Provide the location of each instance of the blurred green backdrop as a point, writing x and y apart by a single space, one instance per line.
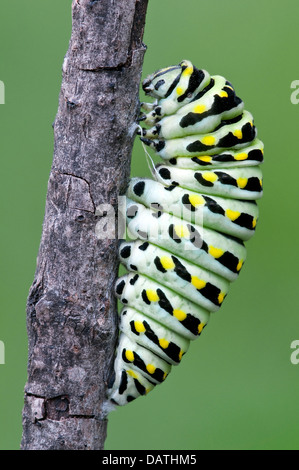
236 388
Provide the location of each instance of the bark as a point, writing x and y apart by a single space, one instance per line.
71 309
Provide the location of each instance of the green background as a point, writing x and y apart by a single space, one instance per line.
236 388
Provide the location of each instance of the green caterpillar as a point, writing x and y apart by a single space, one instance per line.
189 223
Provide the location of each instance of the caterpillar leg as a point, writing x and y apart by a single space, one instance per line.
148 106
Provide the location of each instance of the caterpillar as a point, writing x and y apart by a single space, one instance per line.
188 224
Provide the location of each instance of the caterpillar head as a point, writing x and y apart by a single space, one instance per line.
161 83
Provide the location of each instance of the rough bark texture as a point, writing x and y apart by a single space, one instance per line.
71 310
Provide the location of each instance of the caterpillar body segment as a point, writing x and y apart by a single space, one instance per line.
231 216
200 116
204 247
154 336
251 155
235 183
235 135
162 304
201 286
188 225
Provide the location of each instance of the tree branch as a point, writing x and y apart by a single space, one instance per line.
71 310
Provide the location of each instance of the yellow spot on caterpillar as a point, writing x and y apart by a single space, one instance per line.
215 252
262 150
223 94
147 390
196 200
200 327
139 327
179 90
200 108
132 374
167 262
232 215
210 176
241 156
129 355
152 295
241 182
198 283
179 314
208 140
163 343
150 368
164 376
181 354
239 265
221 297
254 223
251 123
261 183
188 71
181 231
205 158
238 133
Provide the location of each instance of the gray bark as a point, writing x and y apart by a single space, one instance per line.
71 309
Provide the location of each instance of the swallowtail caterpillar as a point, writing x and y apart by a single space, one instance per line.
189 222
